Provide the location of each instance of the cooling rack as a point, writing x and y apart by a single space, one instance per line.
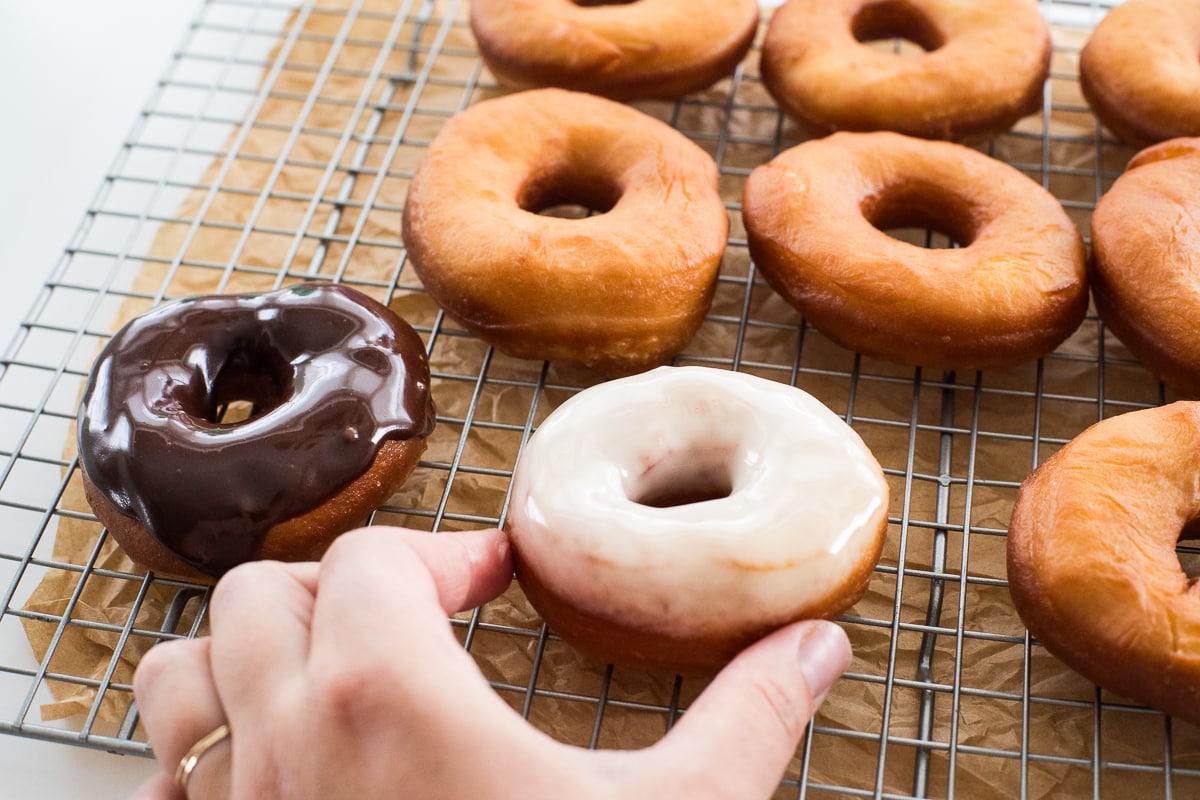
277 148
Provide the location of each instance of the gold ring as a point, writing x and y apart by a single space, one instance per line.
183 772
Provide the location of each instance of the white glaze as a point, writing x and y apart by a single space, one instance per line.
806 505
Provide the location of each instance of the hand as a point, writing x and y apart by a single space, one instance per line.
344 680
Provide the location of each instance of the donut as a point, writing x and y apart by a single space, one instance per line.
1139 72
815 219
666 520
1145 243
626 51
618 291
339 406
984 68
1092 566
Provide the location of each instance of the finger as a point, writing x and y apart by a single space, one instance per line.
179 705
260 617
746 725
263 607
468 567
407 580
160 787
176 697
383 595
303 572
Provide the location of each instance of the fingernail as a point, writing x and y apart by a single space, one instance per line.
824 655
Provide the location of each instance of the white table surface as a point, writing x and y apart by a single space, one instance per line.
73 76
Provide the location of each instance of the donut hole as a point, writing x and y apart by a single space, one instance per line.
922 237
236 411
568 192
684 478
1189 561
922 214
898 22
1188 550
253 380
567 211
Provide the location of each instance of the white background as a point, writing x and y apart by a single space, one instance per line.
73 76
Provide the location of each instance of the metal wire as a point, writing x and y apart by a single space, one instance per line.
959 700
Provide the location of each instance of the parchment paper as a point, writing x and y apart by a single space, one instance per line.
869 725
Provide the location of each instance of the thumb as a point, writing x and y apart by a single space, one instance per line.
744 729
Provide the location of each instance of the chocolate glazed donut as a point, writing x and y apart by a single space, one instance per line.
339 393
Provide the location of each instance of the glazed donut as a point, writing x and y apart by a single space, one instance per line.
1144 246
626 51
815 219
339 389
619 291
1091 556
669 519
1139 71
984 69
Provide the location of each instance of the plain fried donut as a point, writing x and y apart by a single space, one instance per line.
1092 565
1139 71
620 290
1145 246
338 389
816 215
669 519
984 67
626 51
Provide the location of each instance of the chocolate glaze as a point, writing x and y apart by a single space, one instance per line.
330 375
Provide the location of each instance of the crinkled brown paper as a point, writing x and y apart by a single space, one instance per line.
986 715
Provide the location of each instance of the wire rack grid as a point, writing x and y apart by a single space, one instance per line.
277 148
